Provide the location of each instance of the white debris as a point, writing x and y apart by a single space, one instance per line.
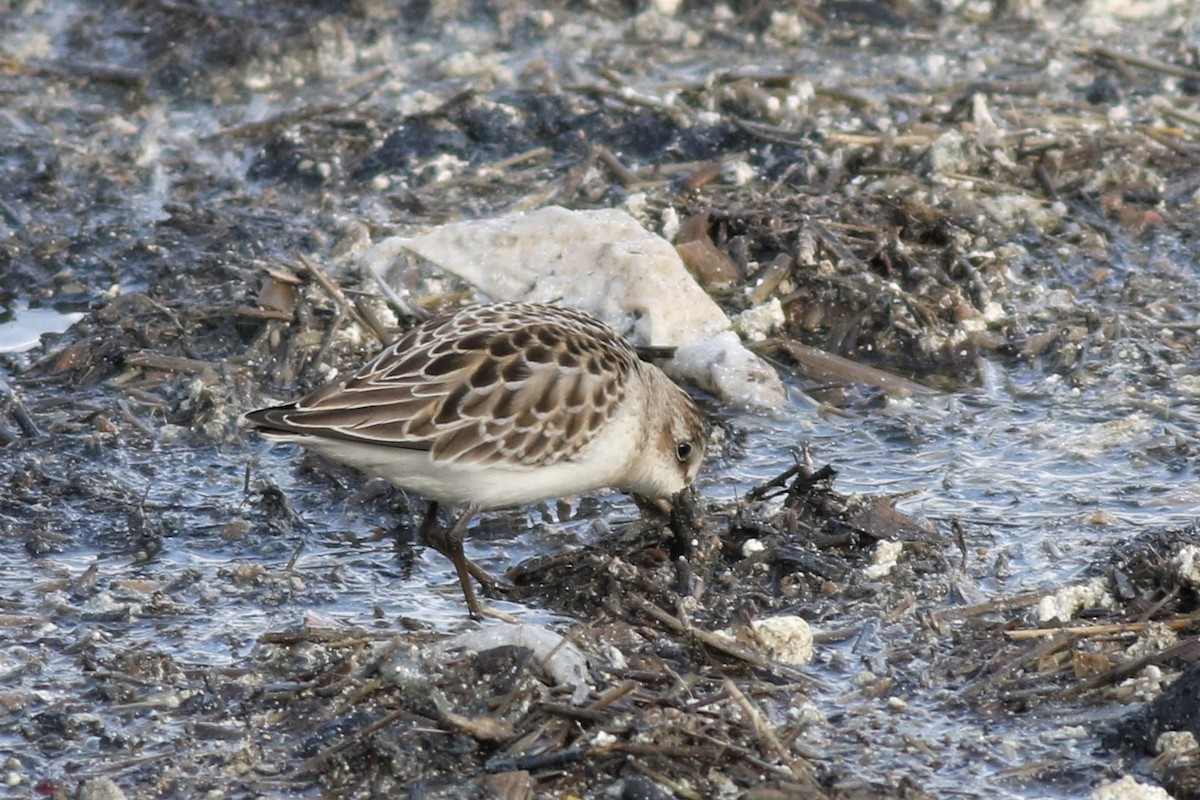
805 712
787 639
636 205
994 312
670 224
947 153
99 788
1187 565
1145 685
758 322
1179 744
738 173
884 559
752 547
986 130
786 28
561 660
1066 602
1109 17
603 262
1129 789
724 367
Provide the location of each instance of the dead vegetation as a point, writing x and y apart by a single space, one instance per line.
909 221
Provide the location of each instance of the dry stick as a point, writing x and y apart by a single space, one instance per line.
871 140
152 360
263 313
676 788
772 134
1177 624
752 758
291 564
520 158
822 366
613 695
1169 597
332 289
623 174
1175 147
360 736
333 637
651 749
762 727
778 482
1165 108
623 96
283 119
331 334
1081 631
577 712
722 645
1186 648
134 420
367 315
96 71
1009 665
574 178
987 184
999 604
1108 53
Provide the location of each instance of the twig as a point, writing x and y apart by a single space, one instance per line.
24 420
999 604
367 315
677 788
722 645
1161 138
613 695
151 360
822 366
263 128
772 134
762 727
1102 54
1186 649
359 736
1009 665
575 712
520 158
624 175
1177 624
253 312
335 293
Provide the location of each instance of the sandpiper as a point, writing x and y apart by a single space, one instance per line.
501 404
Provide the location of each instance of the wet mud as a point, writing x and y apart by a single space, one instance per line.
972 231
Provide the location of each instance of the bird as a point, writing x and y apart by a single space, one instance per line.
495 405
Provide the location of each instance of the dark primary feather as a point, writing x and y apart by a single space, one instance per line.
513 382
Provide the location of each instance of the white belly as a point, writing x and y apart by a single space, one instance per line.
603 463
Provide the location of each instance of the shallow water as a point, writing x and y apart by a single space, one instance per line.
22 327
1028 477
1044 474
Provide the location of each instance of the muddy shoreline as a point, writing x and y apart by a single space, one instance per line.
995 207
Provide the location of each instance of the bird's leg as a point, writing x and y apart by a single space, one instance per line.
429 534
450 544
453 540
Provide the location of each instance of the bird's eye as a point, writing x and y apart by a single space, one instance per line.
683 450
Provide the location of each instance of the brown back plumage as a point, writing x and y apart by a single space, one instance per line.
512 382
